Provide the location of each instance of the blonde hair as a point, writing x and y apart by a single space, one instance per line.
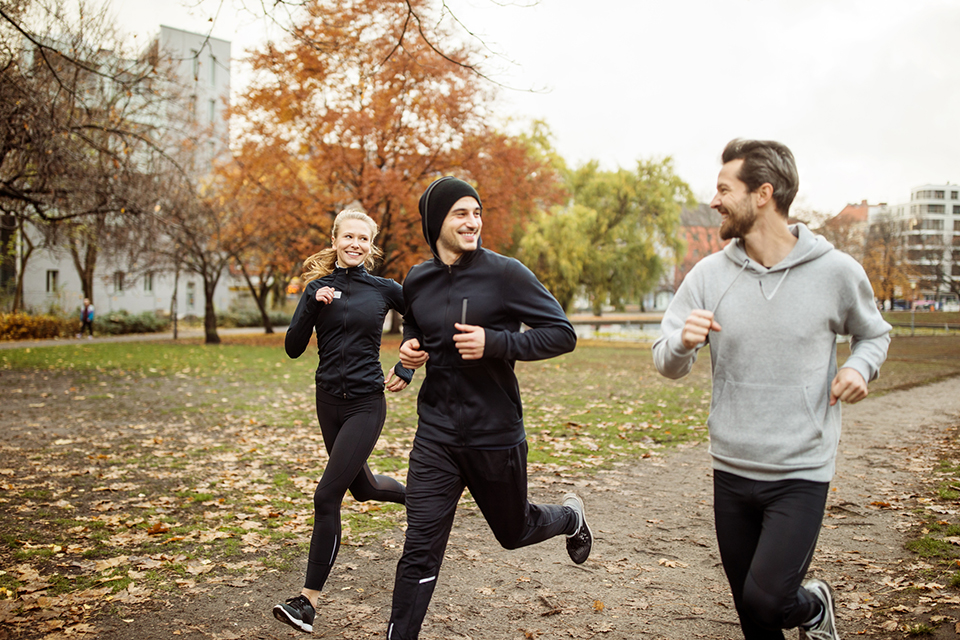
323 262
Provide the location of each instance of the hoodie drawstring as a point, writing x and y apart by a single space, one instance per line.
716 306
776 288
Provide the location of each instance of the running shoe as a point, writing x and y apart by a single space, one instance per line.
296 612
579 543
826 628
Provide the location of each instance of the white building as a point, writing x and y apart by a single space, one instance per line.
930 226
51 283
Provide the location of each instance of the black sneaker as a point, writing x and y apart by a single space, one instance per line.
826 628
296 612
579 543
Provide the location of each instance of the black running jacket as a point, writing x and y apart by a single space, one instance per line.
348 330
476 403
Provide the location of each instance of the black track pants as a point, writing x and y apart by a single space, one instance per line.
767 532
350 430
437 476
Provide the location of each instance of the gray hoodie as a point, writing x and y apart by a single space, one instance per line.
775 356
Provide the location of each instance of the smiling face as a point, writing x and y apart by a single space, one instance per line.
460 232
353 243
734 202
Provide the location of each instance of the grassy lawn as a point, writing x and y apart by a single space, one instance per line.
132 467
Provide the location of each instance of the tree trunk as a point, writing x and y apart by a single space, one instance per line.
25 251
259 297
209 315
85 267
395 322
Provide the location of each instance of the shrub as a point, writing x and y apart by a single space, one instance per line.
23 326
121 322
251 318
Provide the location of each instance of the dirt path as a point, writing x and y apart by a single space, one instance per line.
654 572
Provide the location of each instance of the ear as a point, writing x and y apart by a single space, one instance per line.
764 194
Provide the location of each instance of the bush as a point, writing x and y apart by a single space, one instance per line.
121 322
251 318
23 326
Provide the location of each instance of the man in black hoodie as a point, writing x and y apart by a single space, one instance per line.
464 312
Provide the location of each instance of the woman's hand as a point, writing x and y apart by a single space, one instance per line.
395 383
325 294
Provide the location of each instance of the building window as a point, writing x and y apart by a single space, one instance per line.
213 70
213 111
953 195
118 281
956 209
936 208
932 225
148 282
938 195
191 295
52 276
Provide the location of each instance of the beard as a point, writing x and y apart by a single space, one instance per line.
739 221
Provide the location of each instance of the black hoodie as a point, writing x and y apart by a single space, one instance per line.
476 403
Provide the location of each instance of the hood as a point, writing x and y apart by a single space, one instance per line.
435 204
809 247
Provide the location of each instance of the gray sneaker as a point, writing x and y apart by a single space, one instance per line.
826 629
580 542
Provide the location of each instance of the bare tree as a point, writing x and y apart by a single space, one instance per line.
77 115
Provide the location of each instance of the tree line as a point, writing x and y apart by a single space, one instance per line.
361 104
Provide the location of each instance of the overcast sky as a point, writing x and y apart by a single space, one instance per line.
865 92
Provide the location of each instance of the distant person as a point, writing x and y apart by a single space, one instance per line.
86 318
771 305
464 311
346 306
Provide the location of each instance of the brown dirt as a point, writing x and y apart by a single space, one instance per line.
654 572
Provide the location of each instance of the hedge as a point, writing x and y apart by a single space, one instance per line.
22 326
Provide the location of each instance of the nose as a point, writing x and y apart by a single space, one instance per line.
715 203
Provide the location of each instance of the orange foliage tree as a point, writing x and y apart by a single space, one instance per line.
360 109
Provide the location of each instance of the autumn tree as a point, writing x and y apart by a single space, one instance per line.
885 262
359 108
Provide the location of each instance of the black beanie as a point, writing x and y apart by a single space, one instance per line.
436 202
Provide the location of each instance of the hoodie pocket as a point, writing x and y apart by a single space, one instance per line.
770 426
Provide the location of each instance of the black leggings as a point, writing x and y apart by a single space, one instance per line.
350 431
767 532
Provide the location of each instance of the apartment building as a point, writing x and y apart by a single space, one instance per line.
930 230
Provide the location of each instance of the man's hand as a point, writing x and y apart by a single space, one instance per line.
325 295
848 386
394 382
470 341
411 355
697 327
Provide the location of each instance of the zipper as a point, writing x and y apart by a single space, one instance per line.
458 374
344 297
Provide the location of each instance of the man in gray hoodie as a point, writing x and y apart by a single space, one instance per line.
771 305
